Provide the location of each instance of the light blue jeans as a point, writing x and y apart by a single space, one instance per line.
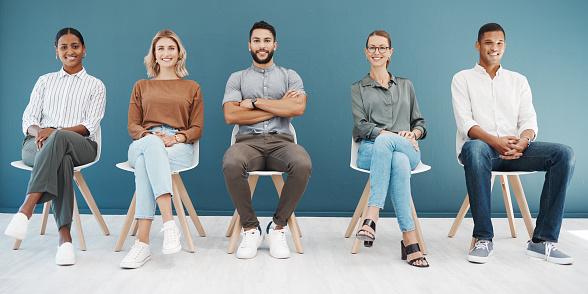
390 159
154 163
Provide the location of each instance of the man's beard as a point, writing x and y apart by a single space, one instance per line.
270 54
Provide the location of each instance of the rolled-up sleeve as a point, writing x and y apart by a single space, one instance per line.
416 118
462 107
96 107
33 112
295 82
527 119
233 89
362 128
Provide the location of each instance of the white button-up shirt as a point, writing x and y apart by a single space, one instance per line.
501 106
61 100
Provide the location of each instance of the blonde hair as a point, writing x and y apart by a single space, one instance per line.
153 67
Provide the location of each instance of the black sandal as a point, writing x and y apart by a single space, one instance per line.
410 249
367 240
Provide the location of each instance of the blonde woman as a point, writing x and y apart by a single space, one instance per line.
165 117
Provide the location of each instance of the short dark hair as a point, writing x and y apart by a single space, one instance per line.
66 31
489 27
263 25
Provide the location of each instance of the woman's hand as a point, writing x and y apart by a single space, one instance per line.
168 141
42 135
410 137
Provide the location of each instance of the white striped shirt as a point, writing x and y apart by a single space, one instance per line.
61 100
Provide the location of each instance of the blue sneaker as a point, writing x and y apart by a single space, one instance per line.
481 251
548 251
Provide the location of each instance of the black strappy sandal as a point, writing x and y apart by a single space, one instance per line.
410 249
367 240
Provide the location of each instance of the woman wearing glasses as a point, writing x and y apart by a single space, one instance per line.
165 116
60 123
388 123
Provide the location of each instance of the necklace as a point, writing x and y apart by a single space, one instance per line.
379 81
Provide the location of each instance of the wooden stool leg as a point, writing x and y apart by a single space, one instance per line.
78 225
177 180
462 212
362 201
46 208
357 242
522 201
235 235
232 224
508 205
134 227
126 225
417 228
16 244
473 243
81 182
295 220
183 221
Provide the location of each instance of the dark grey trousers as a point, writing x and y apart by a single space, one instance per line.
259 152
53 169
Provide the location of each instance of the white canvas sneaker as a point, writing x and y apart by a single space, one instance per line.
138 256
17 228
276 240
65 254
251 241
171 238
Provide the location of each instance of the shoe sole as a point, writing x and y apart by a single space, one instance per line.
14 234
66 261
255 254
480 259
173 250
134 264
537 255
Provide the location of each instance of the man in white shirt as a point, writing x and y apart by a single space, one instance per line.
496 129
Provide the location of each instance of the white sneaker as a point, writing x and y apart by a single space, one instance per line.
251 241
65 254
276 240
171 238
17 228
138 256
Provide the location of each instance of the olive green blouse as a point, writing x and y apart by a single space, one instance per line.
376 108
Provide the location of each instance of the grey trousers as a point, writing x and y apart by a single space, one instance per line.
258 152
53 171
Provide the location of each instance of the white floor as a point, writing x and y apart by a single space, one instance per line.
327 266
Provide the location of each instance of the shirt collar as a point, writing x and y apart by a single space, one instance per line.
257 69
80 74
368 81
482 70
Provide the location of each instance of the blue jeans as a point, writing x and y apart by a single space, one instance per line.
154 163
390 159
556 160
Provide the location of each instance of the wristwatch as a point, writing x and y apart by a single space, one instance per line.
415 136
253 100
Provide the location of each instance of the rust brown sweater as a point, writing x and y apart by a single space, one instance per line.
177 103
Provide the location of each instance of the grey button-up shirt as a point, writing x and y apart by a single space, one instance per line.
376 108
271 83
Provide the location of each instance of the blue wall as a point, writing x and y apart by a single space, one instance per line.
323 41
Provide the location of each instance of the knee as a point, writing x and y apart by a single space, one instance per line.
565 154
233 162
475 153
384 140
301 164
151 140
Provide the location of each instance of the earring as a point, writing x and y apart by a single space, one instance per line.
84 56
57 57
388 58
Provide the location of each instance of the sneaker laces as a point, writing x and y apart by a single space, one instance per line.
482 244
169 235
279 238
248 237
549 247
135 251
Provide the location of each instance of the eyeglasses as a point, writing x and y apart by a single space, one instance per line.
382 50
